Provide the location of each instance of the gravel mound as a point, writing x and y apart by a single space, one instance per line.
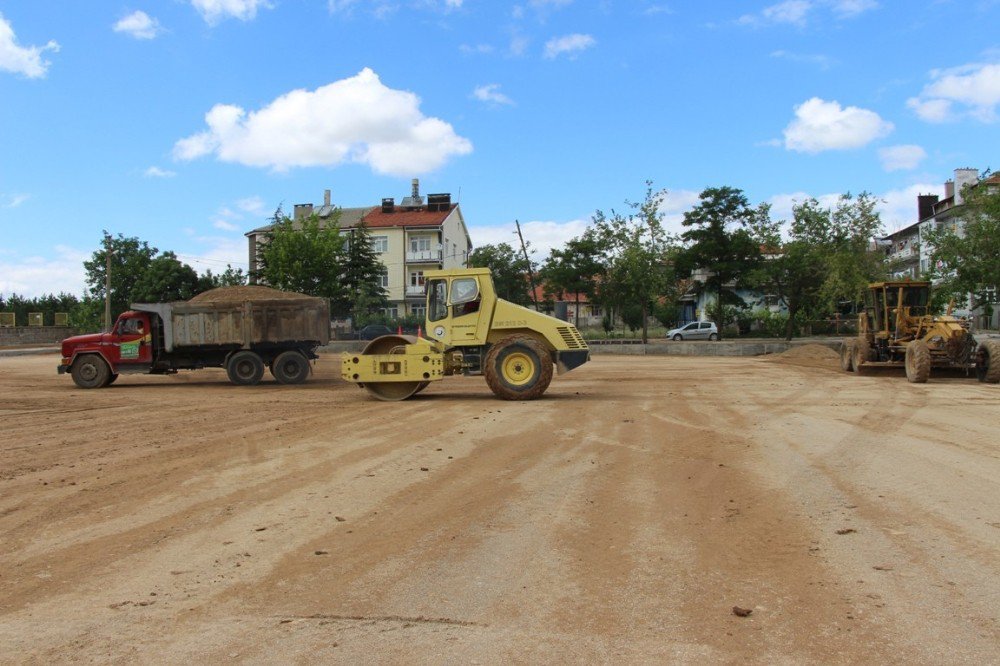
251 292
811 355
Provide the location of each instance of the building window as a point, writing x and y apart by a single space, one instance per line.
384 278
416 278
380 244
420 244
418 310
392 312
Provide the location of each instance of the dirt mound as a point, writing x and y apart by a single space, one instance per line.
251 292
811 355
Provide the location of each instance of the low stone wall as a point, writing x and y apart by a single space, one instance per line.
34 335
755 347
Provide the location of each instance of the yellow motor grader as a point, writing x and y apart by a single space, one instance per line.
469 331
896 329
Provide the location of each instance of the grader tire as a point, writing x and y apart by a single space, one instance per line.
860 354
518 368
918 362
847 355
988 362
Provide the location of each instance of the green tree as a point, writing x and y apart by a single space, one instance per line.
166 279
639 260
363 270
509 269
130 258
231 277
719 241
304 257
575 269
848 232
969 262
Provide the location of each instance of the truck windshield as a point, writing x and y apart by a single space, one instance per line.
437 300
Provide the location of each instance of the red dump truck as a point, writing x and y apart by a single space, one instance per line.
242 337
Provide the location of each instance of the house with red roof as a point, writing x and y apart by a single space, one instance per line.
413 236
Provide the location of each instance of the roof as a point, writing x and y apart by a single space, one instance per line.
561 297
349 217
402 217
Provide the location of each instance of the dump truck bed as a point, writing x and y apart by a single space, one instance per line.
246 324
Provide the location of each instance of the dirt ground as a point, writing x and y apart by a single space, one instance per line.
620 519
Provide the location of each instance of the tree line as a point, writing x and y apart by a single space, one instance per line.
818 264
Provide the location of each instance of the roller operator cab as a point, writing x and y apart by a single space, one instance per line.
469 331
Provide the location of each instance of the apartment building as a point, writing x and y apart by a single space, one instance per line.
416 235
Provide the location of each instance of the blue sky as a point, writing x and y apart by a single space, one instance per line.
187 122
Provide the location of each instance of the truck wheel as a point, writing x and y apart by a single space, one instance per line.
245 368
847 355
860 355
112 379
918 362
518 368
290 367
988 362
90 371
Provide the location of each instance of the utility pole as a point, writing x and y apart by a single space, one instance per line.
107 283
531 276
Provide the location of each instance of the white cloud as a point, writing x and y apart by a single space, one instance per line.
36 276
821 61
491 94
138 25
477 49
793 12
569 45
252 205
976 87
214 11
543 235
355 120
518 45
898 208
821 125
13 200
906 157
157 172
225 226
852 8
26 60
798 12
673 207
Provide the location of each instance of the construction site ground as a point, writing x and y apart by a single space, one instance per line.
648 509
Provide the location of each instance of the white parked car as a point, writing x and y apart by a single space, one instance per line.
696 330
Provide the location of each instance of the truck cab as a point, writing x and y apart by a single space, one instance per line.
127 347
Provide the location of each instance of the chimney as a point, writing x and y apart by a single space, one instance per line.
388 205
964 178
414 200
302 211
925 206
326 198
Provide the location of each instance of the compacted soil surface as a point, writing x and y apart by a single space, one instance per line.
645 510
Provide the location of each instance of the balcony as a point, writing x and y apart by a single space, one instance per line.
414 292
424 256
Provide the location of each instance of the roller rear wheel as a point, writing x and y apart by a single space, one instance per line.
518 368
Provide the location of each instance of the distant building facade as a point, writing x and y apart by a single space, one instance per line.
414 236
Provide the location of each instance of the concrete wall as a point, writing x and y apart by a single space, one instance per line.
34 335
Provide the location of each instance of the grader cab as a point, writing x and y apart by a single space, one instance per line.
896 329
469 331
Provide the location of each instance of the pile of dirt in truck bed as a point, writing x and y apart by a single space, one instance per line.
811 355
251 292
